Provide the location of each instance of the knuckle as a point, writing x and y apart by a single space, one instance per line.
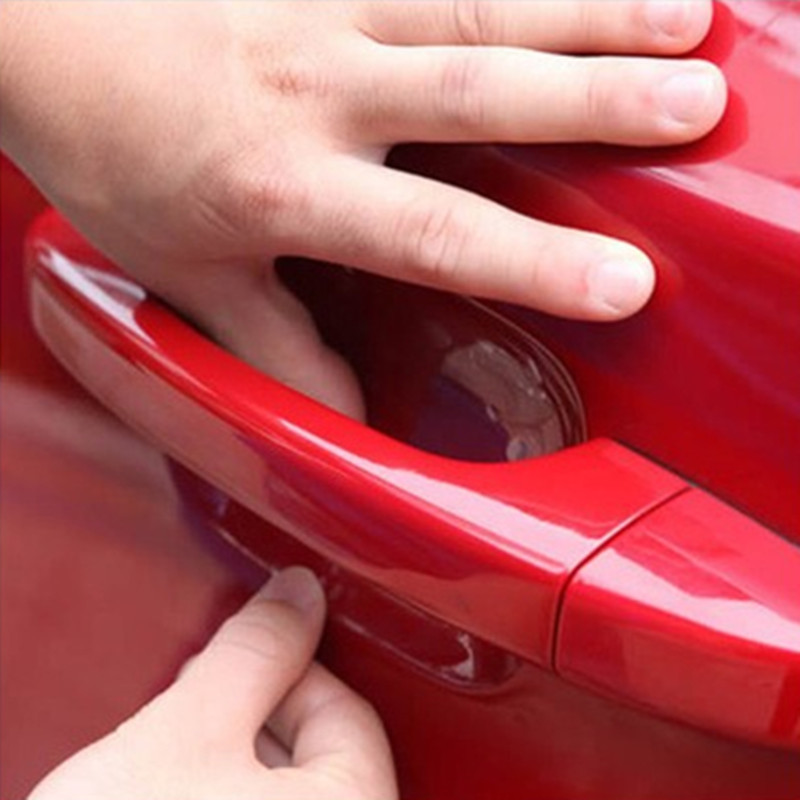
596 103
297 77
270 636
434 240
474 21
267 192
245 197
288 72
463 84
588 22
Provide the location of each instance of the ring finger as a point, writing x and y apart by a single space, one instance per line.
585 26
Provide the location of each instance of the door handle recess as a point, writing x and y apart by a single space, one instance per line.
591 560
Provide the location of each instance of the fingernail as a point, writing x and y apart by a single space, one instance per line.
619 286
686 96
668 17
297 587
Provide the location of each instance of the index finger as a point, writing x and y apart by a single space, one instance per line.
416 229
256 657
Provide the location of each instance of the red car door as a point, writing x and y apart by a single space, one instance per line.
563 560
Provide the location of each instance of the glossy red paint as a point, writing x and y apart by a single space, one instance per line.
104 589
487 547
468 719
698 382
702 380
695 612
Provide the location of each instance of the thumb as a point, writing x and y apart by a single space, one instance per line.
255 658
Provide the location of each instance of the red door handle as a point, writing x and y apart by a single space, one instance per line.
514 553
693 612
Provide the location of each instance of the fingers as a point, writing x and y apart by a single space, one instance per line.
204 737
270 752
623 26
332 730
253 660
273 331
258 667
414 229
513 95
250 313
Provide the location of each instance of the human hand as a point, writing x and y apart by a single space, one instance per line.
204 737
196 142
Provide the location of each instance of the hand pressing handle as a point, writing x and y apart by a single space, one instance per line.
487 548
236 133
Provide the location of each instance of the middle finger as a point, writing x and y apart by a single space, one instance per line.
460 94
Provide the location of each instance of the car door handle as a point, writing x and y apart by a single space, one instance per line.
524 555
694 612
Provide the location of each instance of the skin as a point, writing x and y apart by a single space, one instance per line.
194 142
205 737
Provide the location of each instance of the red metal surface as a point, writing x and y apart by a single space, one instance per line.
695 612
104 589
103 597
702 380
488 547
469 720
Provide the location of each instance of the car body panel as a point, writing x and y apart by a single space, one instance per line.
105 590
503 554
702 380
